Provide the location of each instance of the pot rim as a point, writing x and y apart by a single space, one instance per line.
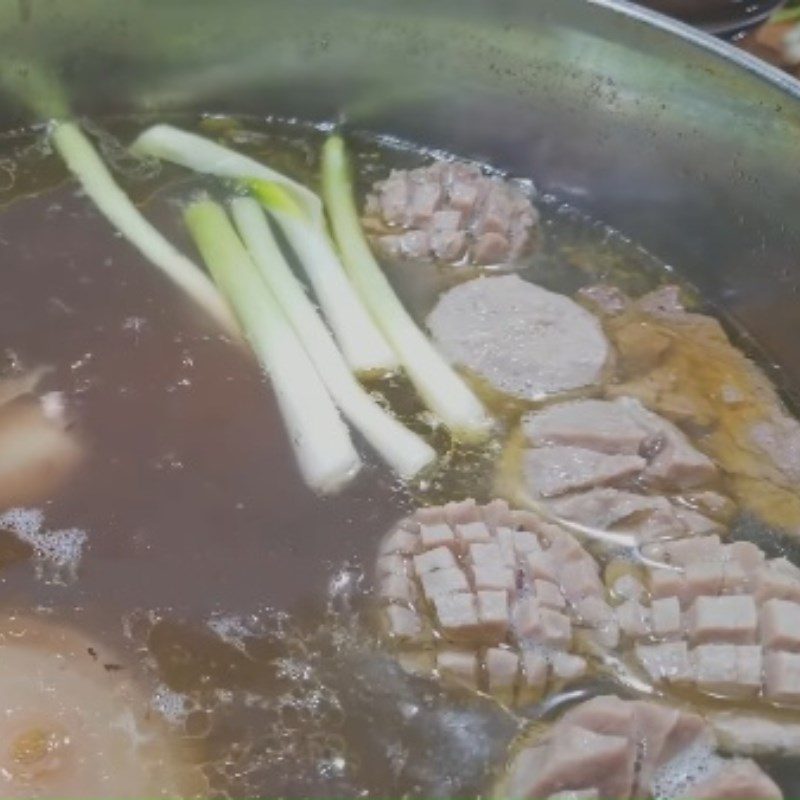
704 40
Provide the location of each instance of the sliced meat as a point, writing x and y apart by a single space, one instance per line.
592 424
576 758
755 735
674 460
614 449
683 366
552 471
644 517
738 780
461 215
496 595
612 748
523 340
782 677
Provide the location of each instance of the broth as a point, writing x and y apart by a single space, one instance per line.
234 594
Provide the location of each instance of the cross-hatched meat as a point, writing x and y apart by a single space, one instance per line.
450 212
496 588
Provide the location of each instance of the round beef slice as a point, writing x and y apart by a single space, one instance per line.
525 341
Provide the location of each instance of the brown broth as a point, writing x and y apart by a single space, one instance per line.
235 594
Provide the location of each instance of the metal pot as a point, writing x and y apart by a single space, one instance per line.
720 17
686 145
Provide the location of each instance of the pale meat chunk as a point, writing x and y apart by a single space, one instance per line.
737 780
634 618
668 661
534 671
502 671
540 625
490 568
617 749
553 471
772 581
645 517
398 588
782 677
493 614
670 582
732 618
400 541
392 564
779 625
403 623
754 735
457 615
721 610
435 535
473 532
549 595
579 579
460 666
591 424
567 667
727 669
603 714
689 551
436 559
666 617
443 581
675 460
578 757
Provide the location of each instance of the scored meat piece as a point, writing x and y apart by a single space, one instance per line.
523 340
451 212
612 748
591 462
622 427
720 617
498 596
683 365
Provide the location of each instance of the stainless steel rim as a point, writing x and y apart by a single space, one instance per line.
704 40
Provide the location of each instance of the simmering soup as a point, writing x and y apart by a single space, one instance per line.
272 636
